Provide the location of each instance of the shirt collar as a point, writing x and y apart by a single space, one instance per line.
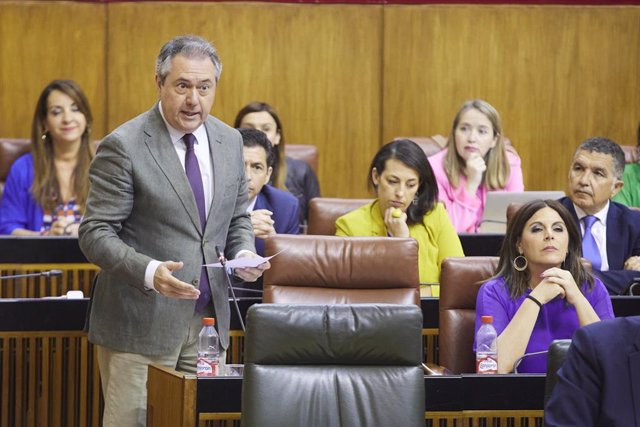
200 133
601 215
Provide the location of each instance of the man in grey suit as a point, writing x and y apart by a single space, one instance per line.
166 188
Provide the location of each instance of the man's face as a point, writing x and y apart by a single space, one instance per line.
592 181
256 170
188 92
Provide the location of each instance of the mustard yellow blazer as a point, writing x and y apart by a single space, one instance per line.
436 237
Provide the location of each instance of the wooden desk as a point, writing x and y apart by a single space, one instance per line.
179 400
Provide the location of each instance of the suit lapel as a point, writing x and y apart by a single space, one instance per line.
634 371
159 144
262 202
218 157
615 238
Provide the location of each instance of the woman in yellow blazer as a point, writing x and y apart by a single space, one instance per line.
406 206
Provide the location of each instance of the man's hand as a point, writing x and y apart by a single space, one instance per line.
262 223
251 274
632 263
169 286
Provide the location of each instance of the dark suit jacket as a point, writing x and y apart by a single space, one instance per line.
623 241
141 207
599 383
286 212
302 182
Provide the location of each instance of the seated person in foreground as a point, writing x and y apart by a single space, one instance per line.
406 206
474 162
273 211
599 382
629 195
46 189
611 231
541 291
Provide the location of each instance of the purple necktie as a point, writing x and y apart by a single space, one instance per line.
589 246
195 180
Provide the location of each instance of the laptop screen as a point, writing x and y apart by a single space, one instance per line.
494 217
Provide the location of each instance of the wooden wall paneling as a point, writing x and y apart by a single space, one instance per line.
319 65
556 74
43 41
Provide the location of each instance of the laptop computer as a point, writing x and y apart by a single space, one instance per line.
494 218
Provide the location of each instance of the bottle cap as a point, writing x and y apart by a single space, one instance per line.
487 319
208 321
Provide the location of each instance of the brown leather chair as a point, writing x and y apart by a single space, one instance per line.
512 208
429 144
432 144
323 212
10 150
341 270
460 280
306 153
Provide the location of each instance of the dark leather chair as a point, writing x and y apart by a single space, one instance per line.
340 365
555 358
341 270
460 280
10 150
306 153
324 211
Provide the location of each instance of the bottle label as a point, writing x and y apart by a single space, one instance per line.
486 364
206 367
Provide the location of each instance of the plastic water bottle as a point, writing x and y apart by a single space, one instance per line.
487 347
208 354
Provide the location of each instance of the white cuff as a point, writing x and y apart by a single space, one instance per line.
150 273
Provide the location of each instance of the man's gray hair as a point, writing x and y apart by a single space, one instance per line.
189 46
606 146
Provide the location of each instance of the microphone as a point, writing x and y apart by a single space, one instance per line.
524 356
49 273
223 261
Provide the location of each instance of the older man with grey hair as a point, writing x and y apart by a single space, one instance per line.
610 230
166 188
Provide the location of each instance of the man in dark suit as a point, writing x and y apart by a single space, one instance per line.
599 382
166 188
611 240
273 211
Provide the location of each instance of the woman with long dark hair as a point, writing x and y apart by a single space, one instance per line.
406 206
541 290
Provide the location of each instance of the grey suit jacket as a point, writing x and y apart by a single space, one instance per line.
141 207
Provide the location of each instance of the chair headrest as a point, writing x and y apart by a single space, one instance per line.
342 262
369 334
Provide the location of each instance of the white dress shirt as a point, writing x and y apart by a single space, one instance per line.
203 154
